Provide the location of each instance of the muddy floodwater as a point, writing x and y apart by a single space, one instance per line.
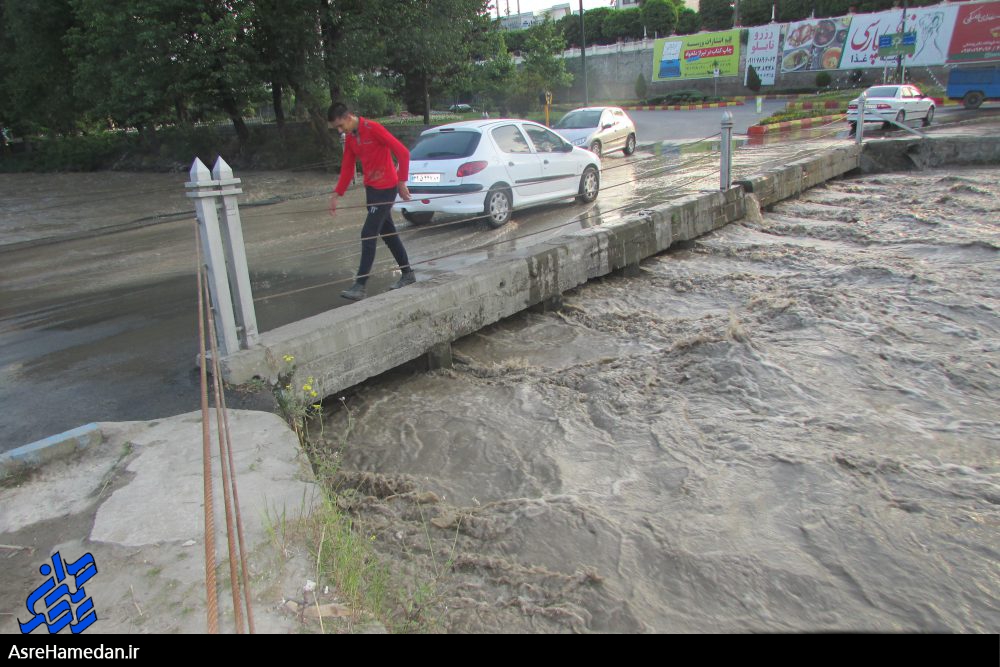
790 424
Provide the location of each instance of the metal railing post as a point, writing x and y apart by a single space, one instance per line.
202 188
859 130
726 150
236 254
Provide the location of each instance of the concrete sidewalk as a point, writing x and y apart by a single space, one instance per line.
131 495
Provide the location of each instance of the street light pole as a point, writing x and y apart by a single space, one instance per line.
583 58
901 64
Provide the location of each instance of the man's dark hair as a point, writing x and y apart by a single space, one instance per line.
337 110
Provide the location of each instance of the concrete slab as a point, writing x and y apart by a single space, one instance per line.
135 503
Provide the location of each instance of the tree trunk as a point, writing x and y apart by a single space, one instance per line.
147 131
279 110
181 110
427 100
229 106
331 33
317 118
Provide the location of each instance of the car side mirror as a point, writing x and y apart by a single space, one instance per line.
607 126
566 148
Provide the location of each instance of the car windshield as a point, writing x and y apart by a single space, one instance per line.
578 120
882 91
445 145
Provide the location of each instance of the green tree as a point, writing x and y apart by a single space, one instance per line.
37 78
127 67
497 75
659 17
755 12
753 79
543 67
285 54
623 24
316 48
716 14
641 87
515 39
593 20
569 26
431 44
688 22
141 62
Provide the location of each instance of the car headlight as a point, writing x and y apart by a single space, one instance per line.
580 142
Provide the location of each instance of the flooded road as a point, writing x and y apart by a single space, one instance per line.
98 294
789 424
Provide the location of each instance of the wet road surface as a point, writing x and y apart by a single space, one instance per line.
98 298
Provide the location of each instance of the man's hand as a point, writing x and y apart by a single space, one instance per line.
404 192
334 200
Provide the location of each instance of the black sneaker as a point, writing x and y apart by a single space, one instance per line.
355 292
407 278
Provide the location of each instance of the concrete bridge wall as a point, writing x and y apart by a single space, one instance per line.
345 346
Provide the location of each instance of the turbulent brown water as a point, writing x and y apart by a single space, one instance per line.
790 424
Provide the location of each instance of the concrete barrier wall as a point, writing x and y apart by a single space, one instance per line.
909 153
348 345
345 346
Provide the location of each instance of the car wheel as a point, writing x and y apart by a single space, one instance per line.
852 127
417 218
629 145
498 205
590 185
900 118
930 115
972 99
595 148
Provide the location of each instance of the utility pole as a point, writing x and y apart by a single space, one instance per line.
736 13
900 65
583 58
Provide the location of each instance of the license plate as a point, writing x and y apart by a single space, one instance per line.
425 178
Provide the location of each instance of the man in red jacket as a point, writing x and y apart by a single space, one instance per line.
375 147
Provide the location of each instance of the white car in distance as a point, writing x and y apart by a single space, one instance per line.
899 103
493 167
599 129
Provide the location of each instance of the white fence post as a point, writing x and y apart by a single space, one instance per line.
202 188
726 150
859 129
236 254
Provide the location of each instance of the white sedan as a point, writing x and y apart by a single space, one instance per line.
898 103
492 167
601 129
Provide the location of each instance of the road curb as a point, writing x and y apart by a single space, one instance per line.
50 448
681 107
800 124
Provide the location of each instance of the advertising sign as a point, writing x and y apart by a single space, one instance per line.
977 33
932 26
697 56
814 44
762 52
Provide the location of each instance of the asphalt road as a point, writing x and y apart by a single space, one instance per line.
102 326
